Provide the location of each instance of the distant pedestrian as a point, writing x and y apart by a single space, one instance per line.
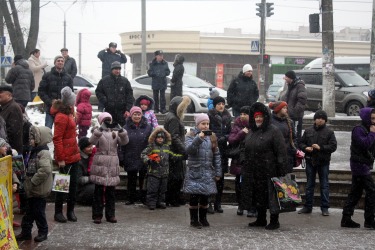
105 170
318 142
203 170
371 99
362 154
146 103
243 90
296 98
210 101
84 112
159 70
22 80
38 69
178 73
70 64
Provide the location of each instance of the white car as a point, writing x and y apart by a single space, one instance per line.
80 82
197 89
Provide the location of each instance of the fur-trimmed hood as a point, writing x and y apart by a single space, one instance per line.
178 106
83 96
168 138
141 97
259 107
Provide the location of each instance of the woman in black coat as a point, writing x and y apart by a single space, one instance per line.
178 73
265 157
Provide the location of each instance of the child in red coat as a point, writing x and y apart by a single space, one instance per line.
84 112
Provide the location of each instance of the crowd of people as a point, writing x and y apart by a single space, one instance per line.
171 166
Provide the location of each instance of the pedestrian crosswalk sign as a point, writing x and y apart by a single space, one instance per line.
6 61
255 46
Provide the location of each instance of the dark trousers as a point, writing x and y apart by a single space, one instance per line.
60 197
200 199
22 102
176 90
224 169
132 185
36 211
174 191
298 128
237 188
104 195
156 188
323 172
163 102
82 131
360 183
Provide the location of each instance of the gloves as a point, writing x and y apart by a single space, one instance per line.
101 129
154 157
98 132
222 140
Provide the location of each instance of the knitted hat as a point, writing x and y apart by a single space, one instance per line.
145 102
217 100
321 114
104 115
6 88
258 113
214 93
83 143
3 142
247 67
245 110
57 57
291 74
277 106
67 96
371 94
17 57
135 109
160 134
198 118
158 52
116 65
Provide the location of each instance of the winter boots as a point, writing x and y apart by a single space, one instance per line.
261 220
210 209
347 221
194 218
203 217
274 224
59 217
70 213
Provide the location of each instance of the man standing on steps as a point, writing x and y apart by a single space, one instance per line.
70 64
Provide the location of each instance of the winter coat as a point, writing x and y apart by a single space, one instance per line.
37 67
12 114
265 157
325 138
242 91
38 180
362 148
105 169
178 73
173 123
159 169
64 134
210 104
148 113
236 137
107 58
116 94
84 108
159 72
70 66
220 124
203 166
22 80
296 98
130 154
51 85
85 188
286 127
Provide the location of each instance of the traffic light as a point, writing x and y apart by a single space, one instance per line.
260 9
314 23
269 9
266 59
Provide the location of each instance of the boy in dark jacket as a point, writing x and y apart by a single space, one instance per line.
362 151
318 142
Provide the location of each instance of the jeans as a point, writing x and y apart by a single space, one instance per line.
49 120
323 172
163 102
298 128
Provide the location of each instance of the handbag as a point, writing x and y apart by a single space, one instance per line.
61 182
284 195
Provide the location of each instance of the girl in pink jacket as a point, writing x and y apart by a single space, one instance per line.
84 112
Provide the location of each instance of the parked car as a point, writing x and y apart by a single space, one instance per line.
272 92
80 82
350 90
194 87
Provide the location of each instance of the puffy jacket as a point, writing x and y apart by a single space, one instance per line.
242 91
22 80
148 113
107 58
12 114
84 108
296 98
159 72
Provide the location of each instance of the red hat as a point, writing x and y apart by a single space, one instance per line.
145 102
258 113
277 106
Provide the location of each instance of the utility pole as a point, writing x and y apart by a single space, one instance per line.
79 52
372 53
328 58
143 56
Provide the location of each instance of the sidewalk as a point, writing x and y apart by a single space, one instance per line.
140 228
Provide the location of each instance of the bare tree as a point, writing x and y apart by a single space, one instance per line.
17 37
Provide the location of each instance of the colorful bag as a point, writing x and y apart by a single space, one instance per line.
300 159
61 182
284 194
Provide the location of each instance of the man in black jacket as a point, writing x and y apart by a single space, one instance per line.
70 64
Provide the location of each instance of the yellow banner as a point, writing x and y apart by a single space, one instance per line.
7 238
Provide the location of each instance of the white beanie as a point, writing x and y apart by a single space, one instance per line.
247 67
67 96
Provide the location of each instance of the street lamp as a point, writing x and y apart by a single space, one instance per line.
64 11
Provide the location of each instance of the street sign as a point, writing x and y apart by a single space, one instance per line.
255 46
3 40
6 61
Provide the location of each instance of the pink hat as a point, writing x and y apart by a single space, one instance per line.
102 116
200 118
135 109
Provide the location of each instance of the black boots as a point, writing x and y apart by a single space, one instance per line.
23 236
347 221
274 224
40 237
70 213
261 220
194 218
203 217
59 217
210 209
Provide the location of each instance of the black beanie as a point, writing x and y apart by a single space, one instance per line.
83 143
218 99
321 114
17 58
245 109
291 74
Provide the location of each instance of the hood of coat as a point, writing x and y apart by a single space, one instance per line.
83 96
23 63
259 107
152 137
141 97
179 105
365 114
296 81
179 59
42 135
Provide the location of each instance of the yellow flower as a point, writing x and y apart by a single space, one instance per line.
281 195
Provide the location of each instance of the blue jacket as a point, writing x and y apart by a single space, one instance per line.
158 71
107 58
